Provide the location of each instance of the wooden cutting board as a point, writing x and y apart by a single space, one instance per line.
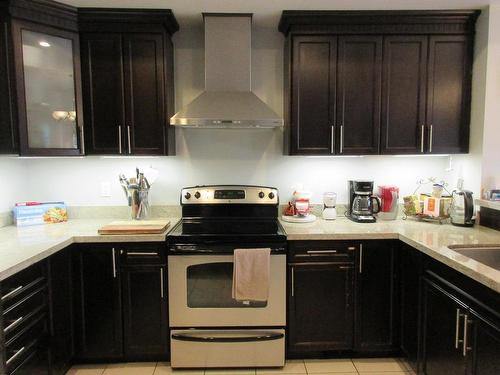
135 227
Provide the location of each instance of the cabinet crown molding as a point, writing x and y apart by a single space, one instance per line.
91 16
380 22
48 12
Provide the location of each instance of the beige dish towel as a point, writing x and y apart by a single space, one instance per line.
251 274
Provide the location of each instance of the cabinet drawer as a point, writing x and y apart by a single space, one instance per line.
319 251
143 254
17 316
17 287
21 347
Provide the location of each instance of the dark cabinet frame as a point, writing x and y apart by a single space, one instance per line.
17 28
42 16
8 129
386 25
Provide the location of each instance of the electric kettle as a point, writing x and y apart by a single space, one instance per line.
462 208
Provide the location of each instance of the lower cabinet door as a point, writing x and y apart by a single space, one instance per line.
483 346
61 311
375 326
145 315
98 312
443 317
320 315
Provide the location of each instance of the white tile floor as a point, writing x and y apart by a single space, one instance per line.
364 366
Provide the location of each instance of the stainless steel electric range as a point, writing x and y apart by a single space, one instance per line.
208 328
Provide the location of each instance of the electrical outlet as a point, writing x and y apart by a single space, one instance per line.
105 189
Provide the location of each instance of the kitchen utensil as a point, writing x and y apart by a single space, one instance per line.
389 196
135 227
329 204
137 192
299 219
302 199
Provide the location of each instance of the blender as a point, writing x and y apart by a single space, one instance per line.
329 203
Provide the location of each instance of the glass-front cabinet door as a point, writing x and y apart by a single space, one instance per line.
48 90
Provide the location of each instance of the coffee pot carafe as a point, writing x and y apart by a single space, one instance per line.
362 204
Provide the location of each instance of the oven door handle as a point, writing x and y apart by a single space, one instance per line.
264 336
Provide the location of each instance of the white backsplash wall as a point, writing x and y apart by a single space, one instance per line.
14 182
223 156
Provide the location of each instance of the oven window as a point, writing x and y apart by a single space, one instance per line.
210 285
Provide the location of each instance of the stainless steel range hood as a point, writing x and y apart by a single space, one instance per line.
227 101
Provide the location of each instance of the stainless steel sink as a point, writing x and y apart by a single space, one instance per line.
486 254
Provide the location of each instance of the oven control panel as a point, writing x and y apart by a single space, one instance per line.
229 195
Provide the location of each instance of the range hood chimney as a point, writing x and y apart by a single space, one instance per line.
227 101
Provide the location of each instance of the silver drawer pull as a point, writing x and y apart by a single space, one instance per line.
351 248
161 283
12 325
457 328
142 254
12 292
321 251
345 267
466 338
15 355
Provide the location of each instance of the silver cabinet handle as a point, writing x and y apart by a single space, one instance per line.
341 138
321 251
128 136
12 325
457 328
82 140
351 248
465 347
430 138
119 139
360 258
422 135
161 283
14 356
345 267
114 262
293 282
332 135
143 254
12 292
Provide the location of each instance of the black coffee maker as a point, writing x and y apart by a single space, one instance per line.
362 204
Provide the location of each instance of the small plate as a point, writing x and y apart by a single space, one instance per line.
299 219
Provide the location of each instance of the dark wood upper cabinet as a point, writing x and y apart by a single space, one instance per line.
128 83
376 328
448 99
144 77
404 94
399 82
358 98
102 72
45 84
313 97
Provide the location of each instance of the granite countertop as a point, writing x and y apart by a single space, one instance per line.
21 247
430 238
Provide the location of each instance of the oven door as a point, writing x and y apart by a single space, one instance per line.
200 294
